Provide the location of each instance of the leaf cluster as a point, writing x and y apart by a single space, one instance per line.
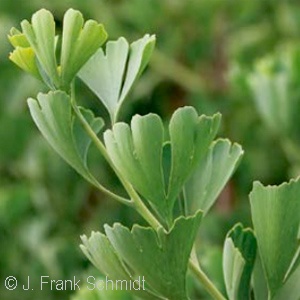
181 166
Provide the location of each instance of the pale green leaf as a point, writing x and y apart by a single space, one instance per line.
260 287
211 175
79 42
104 72
26 60
110 75
41 36
17 38
52 114
139 56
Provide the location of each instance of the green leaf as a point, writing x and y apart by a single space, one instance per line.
212 174
18 39
291 289
110 75
37 41
52 114
79 42
190 137
137 152
41 36
260 287
105 258
144 251
276 219
238 260
26 60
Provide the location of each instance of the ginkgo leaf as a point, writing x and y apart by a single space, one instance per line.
41 36
239 254
111 74
211 175
137 152
79 42
276 219
125 147
26 60
52 114
17 38
190 138
105 258
260 286
291 288
144 251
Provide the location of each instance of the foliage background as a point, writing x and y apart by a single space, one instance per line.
204 51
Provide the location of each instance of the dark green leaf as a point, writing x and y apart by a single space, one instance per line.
238 261
276 218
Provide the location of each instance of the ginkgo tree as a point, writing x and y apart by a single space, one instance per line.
181 165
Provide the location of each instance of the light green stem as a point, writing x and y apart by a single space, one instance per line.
139 205
202 277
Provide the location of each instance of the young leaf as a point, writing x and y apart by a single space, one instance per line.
18 39
211 175
134 248
41 36
52 114
238 261
36 46
79 42
137 152
110 75
276 219
26 60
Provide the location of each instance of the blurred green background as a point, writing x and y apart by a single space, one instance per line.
206 56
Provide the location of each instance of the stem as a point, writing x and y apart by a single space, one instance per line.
202 277
111 194
135 201
139 205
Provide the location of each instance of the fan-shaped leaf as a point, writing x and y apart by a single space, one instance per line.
110 75
211 175
36 46
276 219
238 261
53 116
145 251
138 153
